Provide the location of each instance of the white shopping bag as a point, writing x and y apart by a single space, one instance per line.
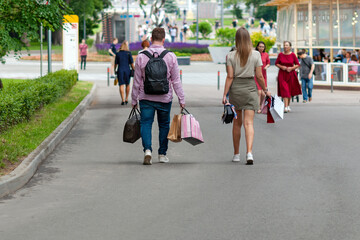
277 108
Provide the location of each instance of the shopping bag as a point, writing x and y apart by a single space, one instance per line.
116 81
190 129
132 127
264 108
277 108
175 129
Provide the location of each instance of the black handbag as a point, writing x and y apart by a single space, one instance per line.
132 127
228 114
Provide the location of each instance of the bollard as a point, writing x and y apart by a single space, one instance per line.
218 83
108 76
181 75
332 84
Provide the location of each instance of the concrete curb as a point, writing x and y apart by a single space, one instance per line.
24 172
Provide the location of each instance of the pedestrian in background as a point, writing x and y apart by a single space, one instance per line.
112 52
288 83
159 103
261 48
83 53
123 61
173 33
242 65
307 67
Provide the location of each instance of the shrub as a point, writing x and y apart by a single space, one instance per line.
256 37
89 42
204 28
225 37
19 101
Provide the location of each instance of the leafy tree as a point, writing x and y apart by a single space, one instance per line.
204 28
171 6
256 37
155 8
225 37
20 21
268 13
90 9
236 11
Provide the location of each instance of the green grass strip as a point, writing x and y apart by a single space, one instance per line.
20 140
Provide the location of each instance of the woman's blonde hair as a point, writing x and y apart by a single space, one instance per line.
124 46
243 45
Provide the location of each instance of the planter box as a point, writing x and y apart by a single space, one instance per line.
183 60
218 54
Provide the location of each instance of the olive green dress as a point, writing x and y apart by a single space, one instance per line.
243 91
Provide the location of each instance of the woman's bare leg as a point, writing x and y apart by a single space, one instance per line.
237 131
127 92
249 129
121 89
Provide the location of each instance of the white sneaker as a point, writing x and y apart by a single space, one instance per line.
236 158
289 109
147 157
286 110
249 159
163 158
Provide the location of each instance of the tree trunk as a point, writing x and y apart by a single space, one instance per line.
57 37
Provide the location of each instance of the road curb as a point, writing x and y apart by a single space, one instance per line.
24 172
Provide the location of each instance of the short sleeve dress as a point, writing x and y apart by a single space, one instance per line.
288 83
123 59
243 91
265 60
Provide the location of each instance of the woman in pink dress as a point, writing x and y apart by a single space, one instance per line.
266 64
288 82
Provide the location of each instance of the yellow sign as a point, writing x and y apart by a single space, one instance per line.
71 18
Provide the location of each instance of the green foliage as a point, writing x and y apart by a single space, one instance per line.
179 54
91 9
171 6
256 37
21 139
225 37
20 21
19 101
268 13
204 28
236 11
89 42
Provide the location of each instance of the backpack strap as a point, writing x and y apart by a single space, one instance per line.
162 55
147 54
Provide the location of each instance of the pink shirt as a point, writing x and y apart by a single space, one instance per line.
83 49
173 77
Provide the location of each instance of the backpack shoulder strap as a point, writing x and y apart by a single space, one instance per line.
162 55
147 54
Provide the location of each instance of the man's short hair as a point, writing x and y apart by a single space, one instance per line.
301 52
158 34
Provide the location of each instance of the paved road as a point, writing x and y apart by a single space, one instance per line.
304 184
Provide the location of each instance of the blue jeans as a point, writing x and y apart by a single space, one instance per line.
148 109
307 86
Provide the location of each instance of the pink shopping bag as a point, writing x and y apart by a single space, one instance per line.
190 130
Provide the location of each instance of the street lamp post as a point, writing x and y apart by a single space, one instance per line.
49 51
197 22
84 24
127 22
222 13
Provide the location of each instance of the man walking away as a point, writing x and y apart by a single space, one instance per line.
156 75
112 52
307 67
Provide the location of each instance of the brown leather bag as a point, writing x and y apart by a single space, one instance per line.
175 129
132 127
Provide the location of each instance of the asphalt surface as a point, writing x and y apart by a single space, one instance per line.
304 184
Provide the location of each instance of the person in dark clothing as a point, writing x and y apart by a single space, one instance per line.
306 73
112 53
123 60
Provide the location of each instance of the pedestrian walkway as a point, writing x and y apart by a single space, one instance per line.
94 186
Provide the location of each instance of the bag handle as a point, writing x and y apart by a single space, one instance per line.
133 112
184 111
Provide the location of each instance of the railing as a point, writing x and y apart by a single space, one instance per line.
338 74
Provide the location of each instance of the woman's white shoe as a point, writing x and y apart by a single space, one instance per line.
249 159
236 158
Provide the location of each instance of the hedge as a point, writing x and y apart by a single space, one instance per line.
19 101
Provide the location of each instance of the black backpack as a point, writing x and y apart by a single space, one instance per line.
156 82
